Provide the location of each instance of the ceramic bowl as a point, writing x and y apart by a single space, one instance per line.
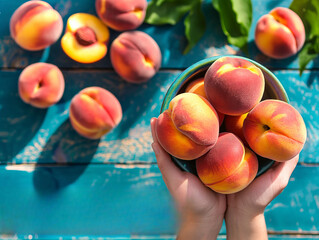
273 90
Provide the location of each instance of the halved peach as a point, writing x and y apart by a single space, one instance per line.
85 39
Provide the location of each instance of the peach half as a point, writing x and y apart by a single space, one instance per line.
121 15
275 130
41 85
197 86
135 56
94 112
228 167
35 25
85 39
280 34
234 85
189 127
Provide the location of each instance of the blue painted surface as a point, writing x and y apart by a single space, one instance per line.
54 183
50 138
170 39
309 237
122 199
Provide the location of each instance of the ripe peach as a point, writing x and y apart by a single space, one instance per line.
121 15
135 56
280 34
35 25
275 130
234 124
85 39
94 112
189 127
228 167
41 85
197 86
234 85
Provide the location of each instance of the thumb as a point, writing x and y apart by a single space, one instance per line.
172 175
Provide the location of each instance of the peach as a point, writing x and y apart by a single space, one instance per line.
94 112
275 130
280 34
234 124
85 39
41 85
35 25
234 85
197 86
189 127
135 56
121 15
228 167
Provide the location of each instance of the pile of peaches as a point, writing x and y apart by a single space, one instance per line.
222 123
135 56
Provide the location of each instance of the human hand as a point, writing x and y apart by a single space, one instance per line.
201 209
245 209
254 199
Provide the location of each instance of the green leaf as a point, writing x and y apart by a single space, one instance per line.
161 12
308 11
309 52
236 18
195 26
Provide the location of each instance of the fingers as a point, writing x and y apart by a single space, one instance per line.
172 175
278 177
283 171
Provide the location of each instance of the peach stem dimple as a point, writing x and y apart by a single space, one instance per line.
266 127
148 62
85 36
138 12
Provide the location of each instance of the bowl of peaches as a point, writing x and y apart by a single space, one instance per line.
227 119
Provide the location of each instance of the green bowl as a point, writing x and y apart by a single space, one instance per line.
273 90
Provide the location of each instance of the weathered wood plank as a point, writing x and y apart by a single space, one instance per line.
121 200
16 237
303 93
29 135
170 39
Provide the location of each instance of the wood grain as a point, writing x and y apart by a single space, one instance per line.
122 199
171 39
30 135
55 184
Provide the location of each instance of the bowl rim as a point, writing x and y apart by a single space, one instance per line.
172 90
177 84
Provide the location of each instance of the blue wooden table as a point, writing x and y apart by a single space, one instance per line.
56 184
